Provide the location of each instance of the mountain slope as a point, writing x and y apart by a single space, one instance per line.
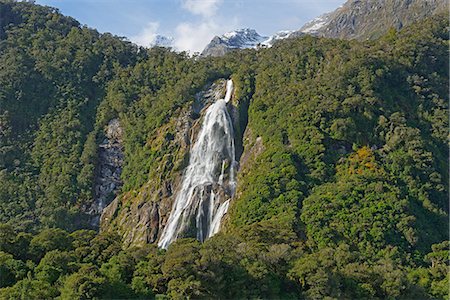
369 19
53 77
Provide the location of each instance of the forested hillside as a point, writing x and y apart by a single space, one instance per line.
342 187
52 80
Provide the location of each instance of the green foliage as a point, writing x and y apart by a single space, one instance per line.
11 270
53 78
29 289
119 272
273 191
48 240
342 273
87 283
17 243
439 270
362 208
54 265
148 278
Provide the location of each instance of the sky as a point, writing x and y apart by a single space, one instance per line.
191 23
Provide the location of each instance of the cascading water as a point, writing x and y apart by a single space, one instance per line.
208 179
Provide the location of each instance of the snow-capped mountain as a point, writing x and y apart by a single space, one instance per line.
238 39
244 39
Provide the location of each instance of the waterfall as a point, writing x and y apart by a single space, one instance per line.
208 180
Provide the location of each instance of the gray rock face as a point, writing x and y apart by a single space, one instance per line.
216 48
107 179
369 19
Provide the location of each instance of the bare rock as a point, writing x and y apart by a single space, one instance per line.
107 179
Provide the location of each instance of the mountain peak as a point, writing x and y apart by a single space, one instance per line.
243 38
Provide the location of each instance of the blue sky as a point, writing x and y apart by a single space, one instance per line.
192 23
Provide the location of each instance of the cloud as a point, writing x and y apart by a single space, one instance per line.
194 37
205 8
147 35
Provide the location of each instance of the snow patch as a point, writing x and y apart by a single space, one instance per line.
280 35
316 24
314 27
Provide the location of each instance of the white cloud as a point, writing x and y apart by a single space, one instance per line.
194 37
205 8
147 35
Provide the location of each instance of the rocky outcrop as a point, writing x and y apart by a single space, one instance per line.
139 216
107 179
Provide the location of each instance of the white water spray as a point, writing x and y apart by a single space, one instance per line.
209 177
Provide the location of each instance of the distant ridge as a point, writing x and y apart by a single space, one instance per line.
369 19
356 19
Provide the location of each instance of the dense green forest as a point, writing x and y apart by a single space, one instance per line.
345 198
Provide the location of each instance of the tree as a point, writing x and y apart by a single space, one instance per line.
86 283
53 265
48 240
